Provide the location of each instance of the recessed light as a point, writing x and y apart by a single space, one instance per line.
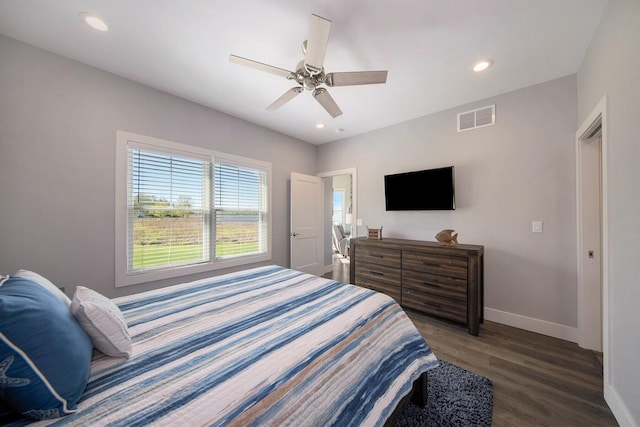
320 125
482 65
93 21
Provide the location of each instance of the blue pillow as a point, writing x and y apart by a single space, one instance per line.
45 356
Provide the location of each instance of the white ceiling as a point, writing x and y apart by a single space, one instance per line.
428 46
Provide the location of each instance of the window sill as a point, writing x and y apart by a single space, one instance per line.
129 279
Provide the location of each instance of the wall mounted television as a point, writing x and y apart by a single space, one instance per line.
429 189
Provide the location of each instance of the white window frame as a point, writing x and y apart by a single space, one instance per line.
123 277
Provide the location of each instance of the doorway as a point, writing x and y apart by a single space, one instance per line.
592 248
339 221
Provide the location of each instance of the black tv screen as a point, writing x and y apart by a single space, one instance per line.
430 189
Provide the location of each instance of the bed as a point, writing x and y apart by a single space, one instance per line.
263 346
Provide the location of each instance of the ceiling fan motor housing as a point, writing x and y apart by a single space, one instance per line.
306 79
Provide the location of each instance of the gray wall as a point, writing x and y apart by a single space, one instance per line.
507 175
58 122
610 68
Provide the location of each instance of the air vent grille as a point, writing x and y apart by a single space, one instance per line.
481 117
466 121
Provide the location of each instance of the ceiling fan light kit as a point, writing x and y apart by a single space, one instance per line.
309 73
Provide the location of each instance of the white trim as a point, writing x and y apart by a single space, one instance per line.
543 327
599 114
149 143
611 396
620 411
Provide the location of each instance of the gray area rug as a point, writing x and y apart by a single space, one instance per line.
455 397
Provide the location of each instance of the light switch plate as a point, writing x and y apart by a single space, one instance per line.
359 222
536 226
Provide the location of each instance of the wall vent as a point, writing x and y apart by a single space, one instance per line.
480 117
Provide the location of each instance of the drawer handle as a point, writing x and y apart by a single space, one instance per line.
435 285
433 304
377 273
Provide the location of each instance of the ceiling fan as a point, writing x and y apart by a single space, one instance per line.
309 73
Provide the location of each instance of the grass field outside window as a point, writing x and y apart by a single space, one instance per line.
178 241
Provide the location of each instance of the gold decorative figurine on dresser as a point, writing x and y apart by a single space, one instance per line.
442 280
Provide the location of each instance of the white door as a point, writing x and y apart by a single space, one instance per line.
306 223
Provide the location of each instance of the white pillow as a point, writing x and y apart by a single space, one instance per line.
35 277
103 321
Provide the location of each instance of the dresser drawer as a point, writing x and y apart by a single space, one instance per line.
378 273
428 303
391 290
445 286
435 264
378 256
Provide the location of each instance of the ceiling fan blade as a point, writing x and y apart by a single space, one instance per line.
353 78
260 66
288 96
322 96
316 45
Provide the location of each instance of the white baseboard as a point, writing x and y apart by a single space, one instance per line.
530 324
618 408
327 269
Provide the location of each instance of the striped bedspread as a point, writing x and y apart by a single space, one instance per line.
267 346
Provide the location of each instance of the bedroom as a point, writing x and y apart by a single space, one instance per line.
57 136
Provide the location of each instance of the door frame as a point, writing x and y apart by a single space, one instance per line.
598 117
354 201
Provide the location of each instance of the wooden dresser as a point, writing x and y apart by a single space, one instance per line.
442 280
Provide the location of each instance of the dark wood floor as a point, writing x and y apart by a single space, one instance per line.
538 380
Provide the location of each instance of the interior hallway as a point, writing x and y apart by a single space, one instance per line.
340 269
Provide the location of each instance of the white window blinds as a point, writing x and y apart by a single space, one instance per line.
241 225
168 205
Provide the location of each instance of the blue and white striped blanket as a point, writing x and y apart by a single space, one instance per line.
267 346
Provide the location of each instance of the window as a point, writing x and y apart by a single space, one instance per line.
168 210
241 223
183 209
338 206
